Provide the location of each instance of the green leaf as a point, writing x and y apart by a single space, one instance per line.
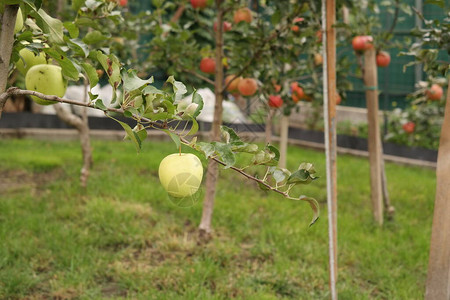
175 138
278 174
98 103
77 4
275 151
131 134
93 4
111 65
49 25
91 73
245 147
94 37
132 82
68 67
72 29
315 207
231 136
196 98
178 87
150 89
194 127
78 47
225 153
207 148
262 186
140 131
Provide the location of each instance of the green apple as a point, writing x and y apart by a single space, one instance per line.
30 60
19 21
181 174
46 79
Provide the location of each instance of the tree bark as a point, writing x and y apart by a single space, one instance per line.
82 126
6 45
212 171
284 131
268 129
438 280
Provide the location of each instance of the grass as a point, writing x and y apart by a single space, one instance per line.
123 238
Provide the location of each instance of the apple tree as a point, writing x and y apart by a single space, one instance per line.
75 47
433 41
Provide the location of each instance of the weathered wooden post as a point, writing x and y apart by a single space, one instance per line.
284 131
329 107
374 140
438 280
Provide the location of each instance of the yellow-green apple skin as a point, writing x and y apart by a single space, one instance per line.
30 60
181 174
19 21
46 79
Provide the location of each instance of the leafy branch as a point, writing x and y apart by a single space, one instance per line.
225 150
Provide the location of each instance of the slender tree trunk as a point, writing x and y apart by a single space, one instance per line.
284 125
6 45
268 131
82 126
212 172
438 280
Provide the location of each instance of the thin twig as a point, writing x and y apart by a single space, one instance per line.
200 76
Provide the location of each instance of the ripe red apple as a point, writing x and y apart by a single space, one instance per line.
435 92
362 42
123 2
199 3
408 127
247 86
275 101
226 26
295 28
233 86
242 14
383 59
208 65
297 92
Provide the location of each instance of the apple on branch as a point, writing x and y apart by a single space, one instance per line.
247 86
46 79
181 174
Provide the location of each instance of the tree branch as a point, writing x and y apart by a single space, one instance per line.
16 91
200 76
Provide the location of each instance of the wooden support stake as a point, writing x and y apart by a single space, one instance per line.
329 107
284 131
438 280
374 140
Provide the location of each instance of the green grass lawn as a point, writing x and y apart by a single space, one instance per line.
123 238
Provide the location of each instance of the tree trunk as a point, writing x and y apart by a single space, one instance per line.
438 280
212 171
284 125
82 125
268 131
6 45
